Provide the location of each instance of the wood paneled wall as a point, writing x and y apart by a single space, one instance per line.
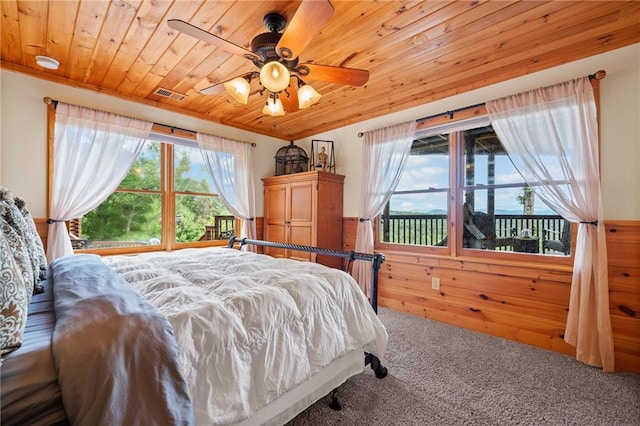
524 302
42 228
518 301
623 252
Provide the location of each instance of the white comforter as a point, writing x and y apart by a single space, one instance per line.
251 327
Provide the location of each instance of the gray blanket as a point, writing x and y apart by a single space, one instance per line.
116 355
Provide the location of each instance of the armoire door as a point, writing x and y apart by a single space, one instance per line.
275 217
301 218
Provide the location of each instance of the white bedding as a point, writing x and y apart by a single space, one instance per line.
251 327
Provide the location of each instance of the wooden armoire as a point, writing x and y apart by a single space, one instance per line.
306 209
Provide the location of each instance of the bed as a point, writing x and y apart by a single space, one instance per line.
207 336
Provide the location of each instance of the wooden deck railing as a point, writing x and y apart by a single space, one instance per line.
223 228
431 229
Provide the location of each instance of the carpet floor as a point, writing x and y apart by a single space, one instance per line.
445 375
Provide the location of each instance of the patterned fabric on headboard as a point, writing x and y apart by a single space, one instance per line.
22 266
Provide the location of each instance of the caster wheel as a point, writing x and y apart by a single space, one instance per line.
381 372
335 405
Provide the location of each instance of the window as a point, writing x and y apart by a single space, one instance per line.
166 201
461 174
417 211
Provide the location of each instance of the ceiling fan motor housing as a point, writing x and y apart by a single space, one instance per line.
274 22
264 45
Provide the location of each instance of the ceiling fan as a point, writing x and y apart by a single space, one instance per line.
276 55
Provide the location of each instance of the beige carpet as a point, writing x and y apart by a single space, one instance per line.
444 375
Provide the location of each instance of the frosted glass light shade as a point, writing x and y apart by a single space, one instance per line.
273 107
239 89
274 76
307 96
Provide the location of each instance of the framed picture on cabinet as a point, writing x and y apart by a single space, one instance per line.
322 157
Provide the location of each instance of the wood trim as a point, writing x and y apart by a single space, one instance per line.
168 196
51 122
448 117
173 131
163 129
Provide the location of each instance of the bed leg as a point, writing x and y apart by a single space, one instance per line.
335 405
376 366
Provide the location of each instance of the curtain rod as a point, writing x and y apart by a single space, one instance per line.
49 101
598 75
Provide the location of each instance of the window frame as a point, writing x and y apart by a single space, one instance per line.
167 137
455 205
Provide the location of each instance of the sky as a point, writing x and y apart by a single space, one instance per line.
432 171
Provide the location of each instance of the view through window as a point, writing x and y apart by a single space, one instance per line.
497 210
167 188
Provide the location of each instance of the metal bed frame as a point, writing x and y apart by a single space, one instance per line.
376 261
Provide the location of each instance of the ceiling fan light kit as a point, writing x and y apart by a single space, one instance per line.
307 96
239 89
274 76
273 106
276 55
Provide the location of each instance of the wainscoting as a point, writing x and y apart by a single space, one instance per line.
518 301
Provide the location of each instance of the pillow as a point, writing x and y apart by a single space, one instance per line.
15 295
17 248
27 236
36 249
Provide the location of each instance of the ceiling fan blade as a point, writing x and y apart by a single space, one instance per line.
213 90
207 37
290 103
330 74
306 23
216 88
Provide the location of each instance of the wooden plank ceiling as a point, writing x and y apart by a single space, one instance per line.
415 51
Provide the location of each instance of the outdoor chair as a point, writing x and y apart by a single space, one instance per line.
559 241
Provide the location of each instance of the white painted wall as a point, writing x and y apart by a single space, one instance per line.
23 130
619 127
23 143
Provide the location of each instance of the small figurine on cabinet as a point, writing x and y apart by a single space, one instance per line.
322 159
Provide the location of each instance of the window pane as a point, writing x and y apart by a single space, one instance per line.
485 160
505 215
417 219
427 164
511 219
417 212
190 172
200 218
145 171
124 220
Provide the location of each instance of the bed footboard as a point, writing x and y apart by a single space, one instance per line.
376 261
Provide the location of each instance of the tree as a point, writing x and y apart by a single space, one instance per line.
526 198
130 215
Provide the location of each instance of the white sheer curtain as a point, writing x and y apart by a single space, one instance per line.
92 153
551 135
231 167
385 156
